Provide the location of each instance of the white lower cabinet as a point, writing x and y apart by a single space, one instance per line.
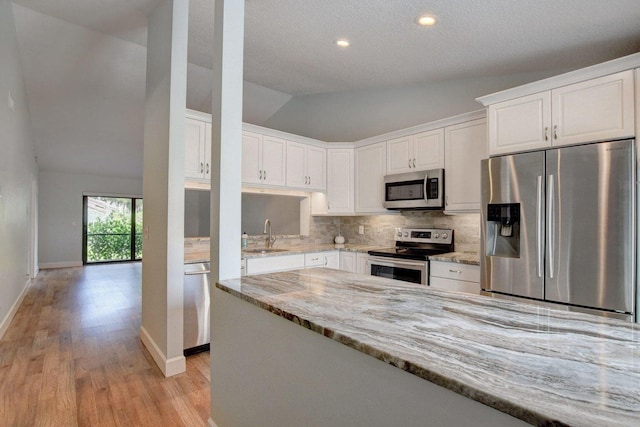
322 259
361 262
348 262
454 276
274 263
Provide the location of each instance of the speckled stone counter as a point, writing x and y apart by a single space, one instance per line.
290 250
543 366
458 257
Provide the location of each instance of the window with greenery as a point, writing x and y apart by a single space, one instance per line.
112 229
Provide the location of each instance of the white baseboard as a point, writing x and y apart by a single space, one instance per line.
14 309
169 367
212 423
60 265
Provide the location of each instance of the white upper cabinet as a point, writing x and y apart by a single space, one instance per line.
370 169
422 151
465 146
340 185
263 159
306 166
520 124
197 146
594 110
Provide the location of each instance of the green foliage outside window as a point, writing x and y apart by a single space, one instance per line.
109 239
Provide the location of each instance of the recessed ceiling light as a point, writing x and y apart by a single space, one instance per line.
425 20
343 43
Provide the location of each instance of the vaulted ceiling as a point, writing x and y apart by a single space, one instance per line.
84 61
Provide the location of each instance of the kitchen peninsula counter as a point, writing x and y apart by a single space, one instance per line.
305 249
537 365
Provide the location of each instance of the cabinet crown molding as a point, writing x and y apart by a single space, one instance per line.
599 70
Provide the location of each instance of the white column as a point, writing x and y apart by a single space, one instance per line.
163 187
226 139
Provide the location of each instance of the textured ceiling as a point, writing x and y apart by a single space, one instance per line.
289 43
84 64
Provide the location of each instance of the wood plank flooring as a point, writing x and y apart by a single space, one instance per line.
72 357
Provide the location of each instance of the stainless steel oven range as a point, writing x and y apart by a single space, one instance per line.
408 260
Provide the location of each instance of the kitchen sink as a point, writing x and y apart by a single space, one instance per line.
263 251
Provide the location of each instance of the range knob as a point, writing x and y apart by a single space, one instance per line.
406 234
445 235
399 233
436 235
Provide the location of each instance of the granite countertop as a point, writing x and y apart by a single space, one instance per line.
458 257
291 250
543 366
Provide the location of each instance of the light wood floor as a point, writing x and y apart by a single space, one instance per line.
72 356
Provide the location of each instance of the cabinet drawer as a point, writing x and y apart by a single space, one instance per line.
275 263
315 259
456 271
455 285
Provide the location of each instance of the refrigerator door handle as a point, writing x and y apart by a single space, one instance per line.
539 231
550 223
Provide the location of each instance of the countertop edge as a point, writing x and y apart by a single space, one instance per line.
454 385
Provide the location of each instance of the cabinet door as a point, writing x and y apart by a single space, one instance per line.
251 158
194 143
596 110
332 260
273 160
399 153
520 124
296 174
428 150
638 105
207 152
340 180
348 261
371 162
361 261
316 168
465 146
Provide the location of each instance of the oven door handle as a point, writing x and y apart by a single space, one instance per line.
419 265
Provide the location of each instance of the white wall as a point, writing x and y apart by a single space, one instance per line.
60 212
355 115
18 171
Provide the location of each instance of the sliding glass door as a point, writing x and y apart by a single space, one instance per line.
112 229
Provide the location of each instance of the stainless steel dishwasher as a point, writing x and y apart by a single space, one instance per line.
196 308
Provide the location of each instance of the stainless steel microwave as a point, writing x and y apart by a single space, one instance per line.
415 190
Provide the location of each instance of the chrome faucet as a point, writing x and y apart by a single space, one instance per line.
270 240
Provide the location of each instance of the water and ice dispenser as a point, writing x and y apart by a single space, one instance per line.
503 230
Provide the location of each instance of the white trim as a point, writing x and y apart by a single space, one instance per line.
66 264
212 423
610 67
198 115
14 309
448 121
169 367
117 195
283 135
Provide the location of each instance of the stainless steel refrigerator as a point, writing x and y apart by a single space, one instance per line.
559 226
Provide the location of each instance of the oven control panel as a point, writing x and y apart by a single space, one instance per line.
424 235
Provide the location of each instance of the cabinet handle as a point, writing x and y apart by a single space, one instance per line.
309 180
260 177
546 133
201 167
326 260
409 162
265 174
207 168
414 162
555 131
455 271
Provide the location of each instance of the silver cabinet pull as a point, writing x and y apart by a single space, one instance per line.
555 131
265 175
326 261
201 167
414 162
309 180
207 168
546 133
409 162
260 177
455 271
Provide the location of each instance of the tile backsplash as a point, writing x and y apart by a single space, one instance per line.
378 230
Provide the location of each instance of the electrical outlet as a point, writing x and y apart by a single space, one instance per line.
361 229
